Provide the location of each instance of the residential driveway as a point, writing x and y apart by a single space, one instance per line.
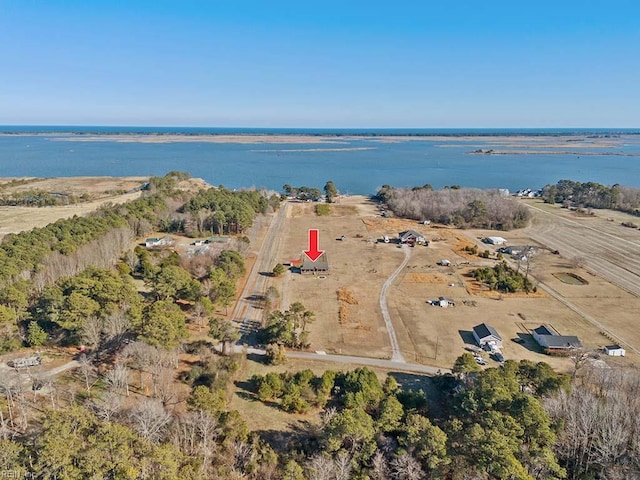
396 354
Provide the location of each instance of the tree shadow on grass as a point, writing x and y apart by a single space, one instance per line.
297 436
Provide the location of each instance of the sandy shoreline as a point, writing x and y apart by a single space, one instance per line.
549 141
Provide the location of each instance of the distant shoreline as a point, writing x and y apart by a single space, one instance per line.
538 139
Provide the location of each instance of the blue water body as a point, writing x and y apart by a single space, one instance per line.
413 162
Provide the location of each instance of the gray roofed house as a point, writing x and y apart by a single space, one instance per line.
411 236
321 265
554 343
487 335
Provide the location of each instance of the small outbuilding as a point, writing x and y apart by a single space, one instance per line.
445 302
494 240
615 351
487 335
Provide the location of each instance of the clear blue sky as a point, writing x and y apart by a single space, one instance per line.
320 63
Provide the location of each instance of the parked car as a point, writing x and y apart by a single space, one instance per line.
498 357
480 361
473 348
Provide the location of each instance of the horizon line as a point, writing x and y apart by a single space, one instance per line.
233 127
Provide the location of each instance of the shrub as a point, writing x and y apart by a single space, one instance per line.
323 209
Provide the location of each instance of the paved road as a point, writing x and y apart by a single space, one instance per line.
396 354
371 362
352 360
246 312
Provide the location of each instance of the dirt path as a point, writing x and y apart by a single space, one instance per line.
598 243
396 354
588 318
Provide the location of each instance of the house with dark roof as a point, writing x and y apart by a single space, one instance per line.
552 342
321 265
411 237
487 335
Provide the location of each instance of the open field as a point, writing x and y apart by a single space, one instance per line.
434 335
102 189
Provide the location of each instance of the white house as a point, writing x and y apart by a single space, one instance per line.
487 335
155 242
614 351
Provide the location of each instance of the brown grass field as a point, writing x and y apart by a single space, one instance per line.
101 189
433 335
347 304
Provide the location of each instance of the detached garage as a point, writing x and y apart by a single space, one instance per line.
614 351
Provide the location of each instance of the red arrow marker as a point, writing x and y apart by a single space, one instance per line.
314 252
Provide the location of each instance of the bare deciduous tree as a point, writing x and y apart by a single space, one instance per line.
379 467
108 406
149 419
320 467
88 371
405 467
343 466
91 332
118 378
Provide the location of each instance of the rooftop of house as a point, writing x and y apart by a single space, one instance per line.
483 331
409 233
322 263
562 341
545 330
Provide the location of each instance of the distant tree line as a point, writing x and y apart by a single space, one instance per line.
593 195
462 207
302 193
219 210
312 193
41 198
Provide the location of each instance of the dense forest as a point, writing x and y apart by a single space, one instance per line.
462 207
519 421
593 195
46 273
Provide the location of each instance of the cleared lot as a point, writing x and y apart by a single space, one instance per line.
434 335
